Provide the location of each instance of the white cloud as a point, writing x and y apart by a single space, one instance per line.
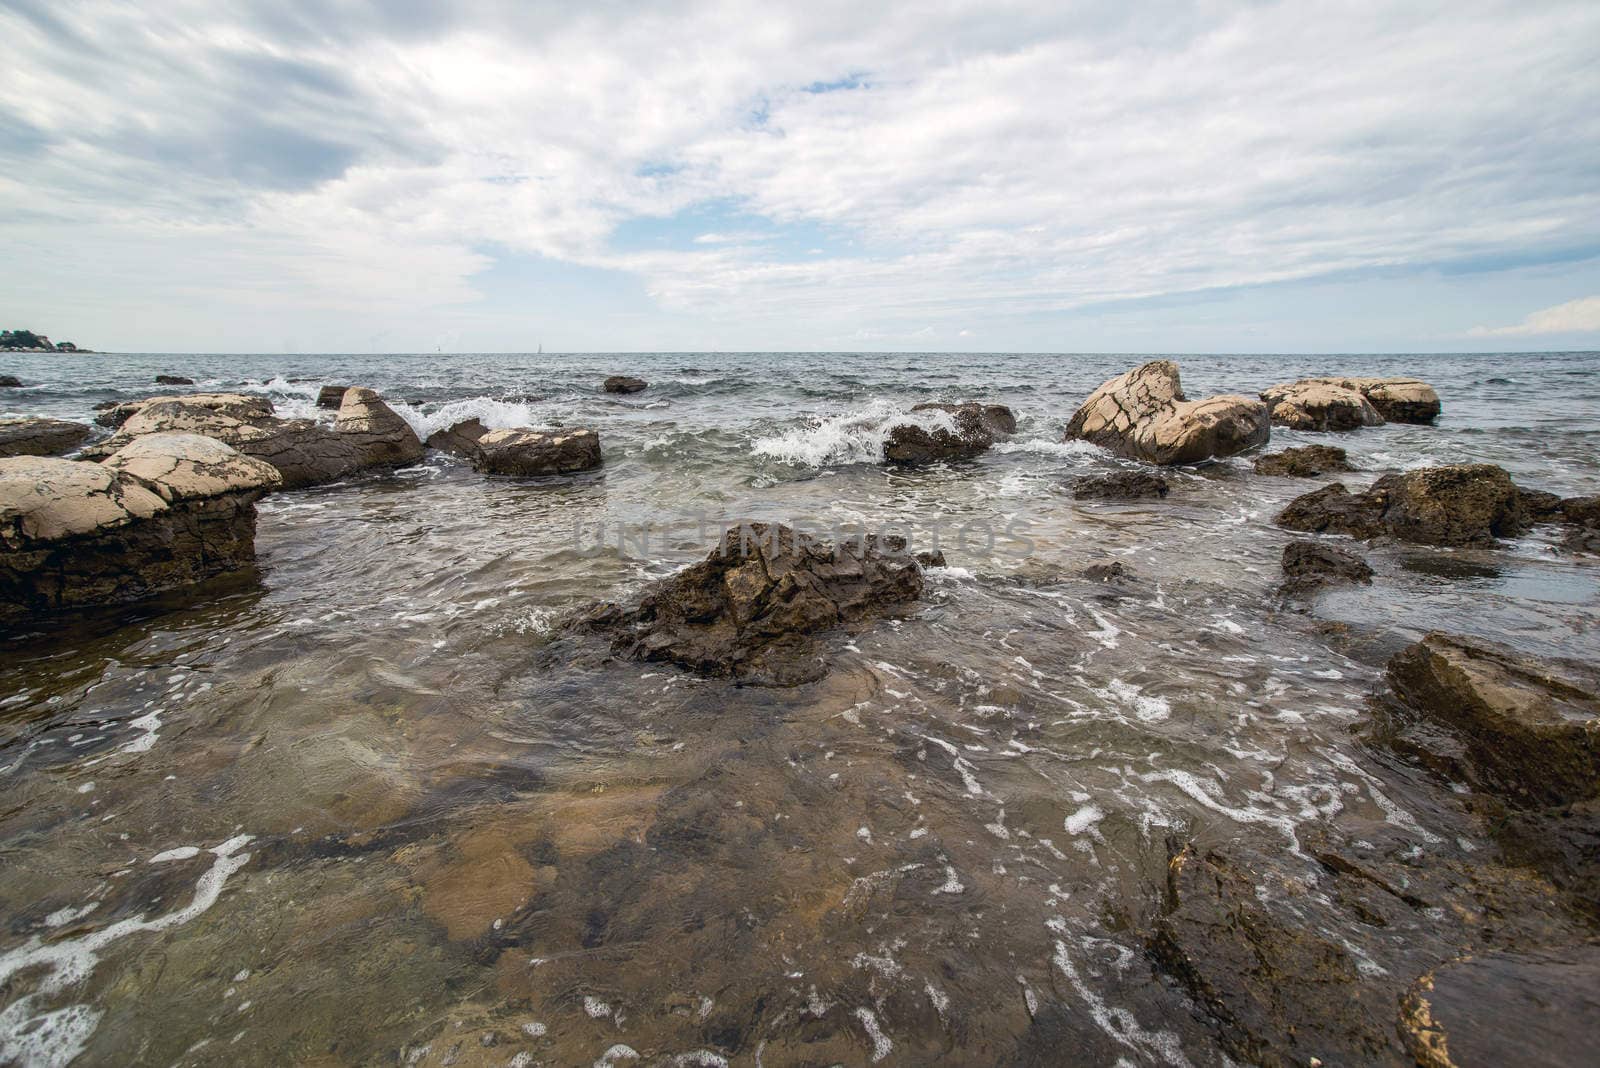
1574 317
989 162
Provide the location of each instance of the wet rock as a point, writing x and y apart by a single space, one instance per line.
1320 404
1462 504
114 413
382 438
1530 727
1401 400
460 439
624 384
1144 415
537 452
10 382
752 609
40 437
1307 461
1308 566
1539 1009
173 380
972 429
1119 486
1111 572
331 396
1582 515
1395 400
75 534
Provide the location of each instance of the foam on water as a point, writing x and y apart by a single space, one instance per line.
857 437
492 413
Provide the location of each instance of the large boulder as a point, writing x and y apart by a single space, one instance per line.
1320 404
537 452
1307 461
1460 504
948 432
460 439
1395 400
1530 726
173 511
40 437
235 405
382 437
623 384
1144 415
751 610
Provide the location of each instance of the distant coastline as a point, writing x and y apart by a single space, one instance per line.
28 341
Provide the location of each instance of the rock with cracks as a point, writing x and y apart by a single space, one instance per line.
1144 415
537 452
753 610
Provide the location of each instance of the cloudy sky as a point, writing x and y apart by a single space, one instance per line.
314 175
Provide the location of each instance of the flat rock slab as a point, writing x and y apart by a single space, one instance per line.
1144 415
948 432
537 452
41 437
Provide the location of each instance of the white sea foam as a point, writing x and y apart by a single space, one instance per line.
856 437
1045 447
1084 819
494 414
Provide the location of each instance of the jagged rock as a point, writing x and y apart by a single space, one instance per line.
10 382
1534 1009
40 437
1462 504
75 534
1144 415
752 609
460 439
173 380
956 432
1530 726
1119 486
1320 404
537 452
624 384
382 437
1307 461
1311 565
114 413
331 396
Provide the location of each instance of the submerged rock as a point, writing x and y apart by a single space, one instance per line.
331 396
537 452
40 437
382 437
1119 486
1320 404
752 609
460 439
1308 566
1144 415
972 429
1530 727
623 384
10 382
1462 504
1534 1009
1307 461
173 510
173 380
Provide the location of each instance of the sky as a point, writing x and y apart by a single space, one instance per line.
347 176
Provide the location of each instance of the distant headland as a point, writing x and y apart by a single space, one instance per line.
28 341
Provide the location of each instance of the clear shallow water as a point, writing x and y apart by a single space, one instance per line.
461 846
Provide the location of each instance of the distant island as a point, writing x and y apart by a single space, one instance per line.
28 341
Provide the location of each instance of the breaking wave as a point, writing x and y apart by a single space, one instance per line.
856 437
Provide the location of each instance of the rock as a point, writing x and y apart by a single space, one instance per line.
75 534
1534 1009
113 413
948 432
1462 504
234 405
1530 726
40 437
537 452
459 440
1320 404
752 609
1401 400
10 382
331 396
1307 461
1119 486
623 384
382 437
173 380
1311 565
1143 415
1111 572
1583 516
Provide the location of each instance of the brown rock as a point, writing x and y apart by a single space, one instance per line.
10 382
1462 504
537 452
1311 565
623 384
173 380
1320 404
1144 415
40 437
1119 486
382 438
750 611
460 439
331 396
1396 400
972 429
1307 461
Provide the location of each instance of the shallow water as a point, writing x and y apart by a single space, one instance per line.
356 808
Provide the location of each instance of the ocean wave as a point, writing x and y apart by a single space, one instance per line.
492 413
1046 447
856 437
